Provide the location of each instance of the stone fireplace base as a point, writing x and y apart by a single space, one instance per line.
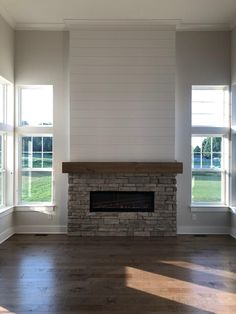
161 222
157 177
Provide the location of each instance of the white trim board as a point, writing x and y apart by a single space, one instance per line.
202 230
7 234
29 229
233 232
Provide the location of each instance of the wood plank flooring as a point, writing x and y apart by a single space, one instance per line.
60 274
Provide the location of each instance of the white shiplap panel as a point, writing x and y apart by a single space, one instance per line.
121 52
122 95
124 152
76 35
154 88
118 78
121 105
125 96
138 70
141 132
123 43
122 61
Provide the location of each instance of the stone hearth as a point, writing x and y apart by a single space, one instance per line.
160 222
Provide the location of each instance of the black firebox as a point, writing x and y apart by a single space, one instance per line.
121 201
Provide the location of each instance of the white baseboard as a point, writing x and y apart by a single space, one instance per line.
6 234
233 232
29 229
202 230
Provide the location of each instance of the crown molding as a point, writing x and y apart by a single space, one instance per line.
40 26
203 27
70 24
7 17
121 24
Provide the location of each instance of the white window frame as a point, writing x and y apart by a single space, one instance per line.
7 133
214 131
27 130
3 170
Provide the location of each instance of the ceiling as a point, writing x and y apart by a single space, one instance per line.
33 14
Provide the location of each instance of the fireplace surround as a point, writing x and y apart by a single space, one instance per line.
85 179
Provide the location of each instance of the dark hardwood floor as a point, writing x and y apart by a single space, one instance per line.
61 274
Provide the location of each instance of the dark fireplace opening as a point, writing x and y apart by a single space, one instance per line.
121 201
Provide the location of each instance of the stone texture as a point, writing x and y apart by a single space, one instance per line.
161 222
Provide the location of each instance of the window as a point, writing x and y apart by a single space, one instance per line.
3 122
36 106
2 171
35 144
210 134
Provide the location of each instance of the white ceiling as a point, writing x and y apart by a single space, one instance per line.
52 13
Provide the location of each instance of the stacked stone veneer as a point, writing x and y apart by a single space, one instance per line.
161 222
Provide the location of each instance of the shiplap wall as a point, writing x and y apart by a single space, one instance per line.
122 95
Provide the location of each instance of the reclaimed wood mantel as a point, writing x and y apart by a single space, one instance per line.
119 167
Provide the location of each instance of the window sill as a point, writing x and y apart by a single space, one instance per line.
201 208
42 208
4 211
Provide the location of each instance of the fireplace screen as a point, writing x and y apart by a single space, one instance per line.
116 201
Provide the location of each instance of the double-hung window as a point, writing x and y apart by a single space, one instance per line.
210 148
3 122
35 144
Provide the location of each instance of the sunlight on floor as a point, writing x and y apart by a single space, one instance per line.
3 310
180 291
205 269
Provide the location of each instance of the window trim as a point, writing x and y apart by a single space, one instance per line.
27 130
3 170
212 131
7 130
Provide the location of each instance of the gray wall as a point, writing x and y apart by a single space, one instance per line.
201 58
7 72
233 55
6 51
42 58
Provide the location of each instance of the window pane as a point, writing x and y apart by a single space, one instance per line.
26 160
36 186
37 152
208 105
26 144
47 160
37 144
206 160
37 160
196 160
36 106
216 160
1 152
206 152
1 189
206 187
47 144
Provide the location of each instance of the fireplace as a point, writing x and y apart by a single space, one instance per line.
116 201
122 199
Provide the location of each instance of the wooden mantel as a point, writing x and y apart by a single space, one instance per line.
128 167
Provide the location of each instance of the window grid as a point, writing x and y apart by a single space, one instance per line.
35 154
209 166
